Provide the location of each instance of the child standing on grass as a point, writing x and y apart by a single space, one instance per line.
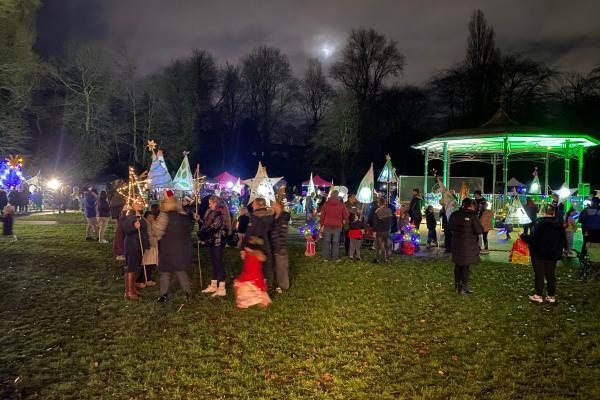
8 218
431 225
242 225
355 234
570 229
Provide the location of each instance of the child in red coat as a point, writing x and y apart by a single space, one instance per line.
250 288
355 234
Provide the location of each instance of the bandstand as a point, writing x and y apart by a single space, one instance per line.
502 140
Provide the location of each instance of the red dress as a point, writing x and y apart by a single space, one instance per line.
250 288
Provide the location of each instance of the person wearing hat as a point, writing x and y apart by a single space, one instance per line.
334 215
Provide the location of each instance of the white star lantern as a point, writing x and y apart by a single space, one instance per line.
261 185
564 192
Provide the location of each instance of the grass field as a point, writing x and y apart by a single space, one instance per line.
343 331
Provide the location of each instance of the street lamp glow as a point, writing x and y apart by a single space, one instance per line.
54 184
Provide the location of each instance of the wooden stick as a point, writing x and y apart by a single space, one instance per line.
142 250
197 193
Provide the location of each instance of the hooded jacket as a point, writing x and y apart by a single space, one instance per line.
466 229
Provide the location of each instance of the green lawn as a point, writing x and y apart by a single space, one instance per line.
343 331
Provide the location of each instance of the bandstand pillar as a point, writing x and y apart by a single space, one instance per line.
425 173
567 162
494 178
580 169
546 173
446 165
505 166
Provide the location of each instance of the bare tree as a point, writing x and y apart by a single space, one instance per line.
367 60
19 72
523 82
231 103
337 138
316 93
269 89
483 65
127 89
87 81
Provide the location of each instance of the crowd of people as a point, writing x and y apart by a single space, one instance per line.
161 239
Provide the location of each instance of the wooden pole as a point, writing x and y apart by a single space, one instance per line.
142 250
197 193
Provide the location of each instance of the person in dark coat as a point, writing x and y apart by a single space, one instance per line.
590 224
546 243
3 200
431 226
102 213
279 234
466 229
414 209
8 220
90 200
13 198
260 226
382 223
136 240
117 202
213 233
446 229
172 229
531 209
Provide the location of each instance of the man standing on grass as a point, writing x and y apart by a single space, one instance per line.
382 224
333 217
414 209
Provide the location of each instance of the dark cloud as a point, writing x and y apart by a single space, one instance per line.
432 34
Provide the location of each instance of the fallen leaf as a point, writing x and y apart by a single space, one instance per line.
173 371
327 377
454 358
422 321
441 373
96 364
422 353
301 372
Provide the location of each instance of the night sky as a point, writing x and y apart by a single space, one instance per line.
431 34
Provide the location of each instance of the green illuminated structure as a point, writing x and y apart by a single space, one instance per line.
501 139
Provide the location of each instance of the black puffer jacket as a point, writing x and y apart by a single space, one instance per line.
547 240
466 229
279 233
261 223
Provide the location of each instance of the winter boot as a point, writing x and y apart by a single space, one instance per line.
212 288
131 294
220 290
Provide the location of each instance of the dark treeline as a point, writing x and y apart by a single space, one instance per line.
89 112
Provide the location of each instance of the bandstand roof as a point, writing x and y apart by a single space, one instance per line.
489 138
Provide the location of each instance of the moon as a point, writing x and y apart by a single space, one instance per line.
326 50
